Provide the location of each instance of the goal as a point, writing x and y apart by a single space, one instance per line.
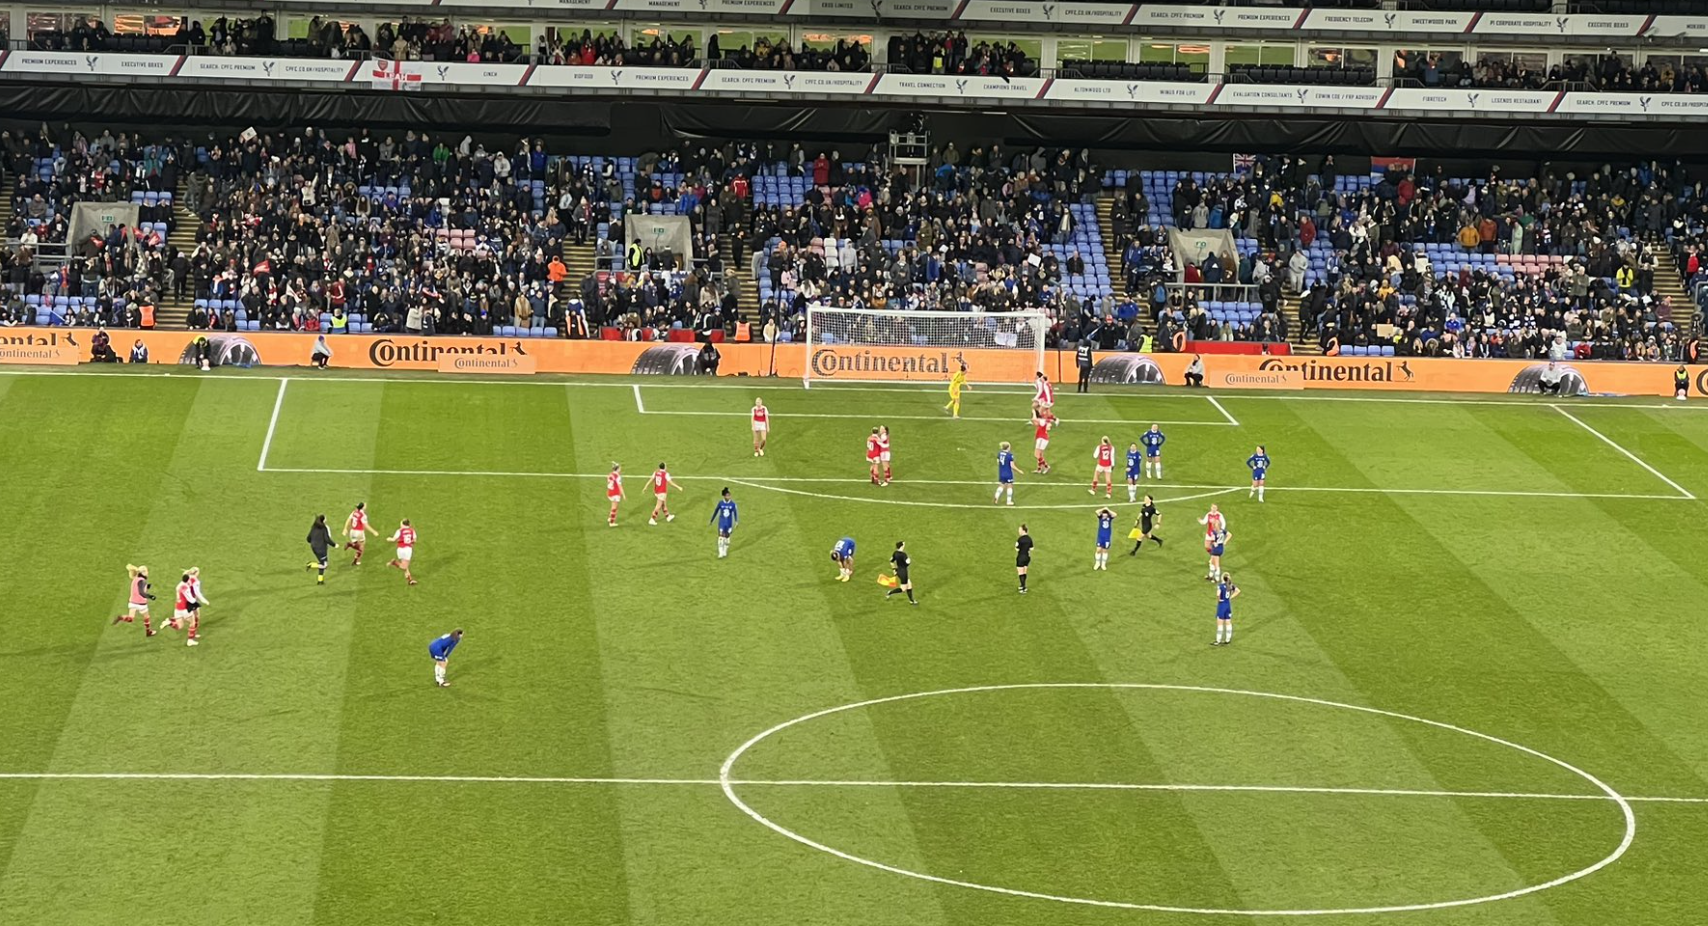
877 345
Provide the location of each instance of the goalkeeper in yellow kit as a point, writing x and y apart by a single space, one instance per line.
957 383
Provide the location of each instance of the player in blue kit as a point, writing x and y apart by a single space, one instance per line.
1105 535
1218 543
1133 464
1258 463
1004 473
725 517
440 649
1153 441
1226 592
843 553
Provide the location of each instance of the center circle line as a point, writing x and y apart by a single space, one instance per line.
728 782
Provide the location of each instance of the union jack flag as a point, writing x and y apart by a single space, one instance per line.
1244 163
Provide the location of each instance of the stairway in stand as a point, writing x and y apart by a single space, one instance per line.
1112 249
739 281
1296 326
1669 282
581 259
5 204
172 312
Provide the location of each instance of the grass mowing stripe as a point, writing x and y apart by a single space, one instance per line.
1482 626
185 524
1626 453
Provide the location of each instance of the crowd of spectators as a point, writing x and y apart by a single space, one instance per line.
983 230
952 53
608 49
110 271
1609 73
1581 249
446 235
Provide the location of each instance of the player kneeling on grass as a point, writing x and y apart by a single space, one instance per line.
440 649
1226 592
900 560
405 540
321 543
843 555
140 596
1681 383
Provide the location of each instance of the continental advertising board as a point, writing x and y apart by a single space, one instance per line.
831 363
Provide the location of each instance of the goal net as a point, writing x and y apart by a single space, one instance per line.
876 345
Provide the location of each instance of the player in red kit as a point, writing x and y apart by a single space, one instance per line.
1105 468
405 540
614 492
661 486
761 426
884 450
356 528
1045 396
1042 422
140 596
873 455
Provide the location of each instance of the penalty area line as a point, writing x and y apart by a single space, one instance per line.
829 783
764 482
272 425
1681 490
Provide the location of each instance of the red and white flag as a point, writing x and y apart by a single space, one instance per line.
396 75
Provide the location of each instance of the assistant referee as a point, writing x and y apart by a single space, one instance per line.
900 560
1023 556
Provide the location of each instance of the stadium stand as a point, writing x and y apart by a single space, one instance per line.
373 232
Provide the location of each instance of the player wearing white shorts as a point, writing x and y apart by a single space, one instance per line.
761 426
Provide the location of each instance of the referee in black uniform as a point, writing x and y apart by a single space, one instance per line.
1148 520
1023 556
900 560
320 541
1082 355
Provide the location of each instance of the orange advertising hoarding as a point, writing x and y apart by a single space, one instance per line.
832 363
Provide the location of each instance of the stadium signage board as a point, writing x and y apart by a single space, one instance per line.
1233 371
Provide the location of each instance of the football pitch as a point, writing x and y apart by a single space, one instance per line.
1465 686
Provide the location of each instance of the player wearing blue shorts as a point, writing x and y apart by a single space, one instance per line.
1105 536
1133 464
1258 463
1226 592
1218 543
440 649
1004 473
843 554
1153 441
725 517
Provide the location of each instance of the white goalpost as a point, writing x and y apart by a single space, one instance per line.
885 346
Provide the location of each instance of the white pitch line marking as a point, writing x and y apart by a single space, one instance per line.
1628 454
639 405
272 424
763 482
888 417
822 783
1231 419
1624 805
